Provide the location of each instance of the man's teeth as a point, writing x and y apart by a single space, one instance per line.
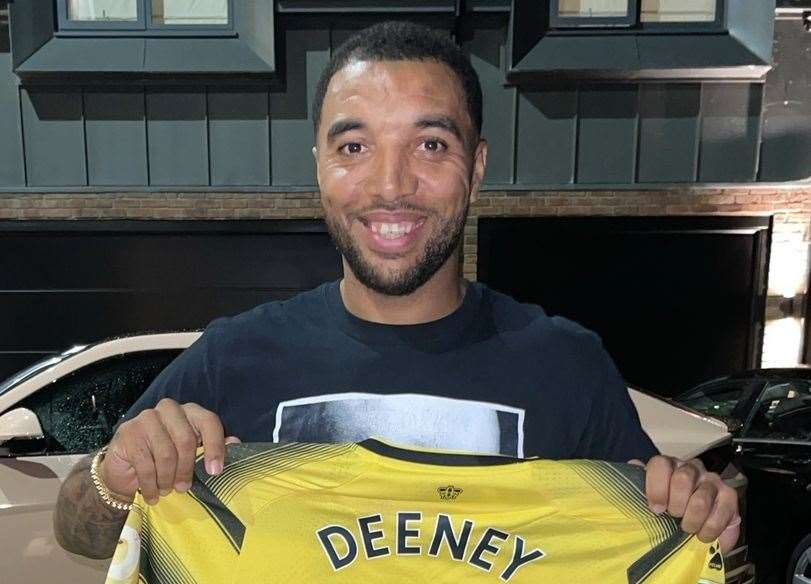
392 230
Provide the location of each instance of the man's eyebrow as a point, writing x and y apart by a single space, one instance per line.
447 123
343 126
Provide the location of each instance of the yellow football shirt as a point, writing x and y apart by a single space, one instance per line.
371 512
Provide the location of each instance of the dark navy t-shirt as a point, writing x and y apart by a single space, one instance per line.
494 377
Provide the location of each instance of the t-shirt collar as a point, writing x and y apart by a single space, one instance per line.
445 329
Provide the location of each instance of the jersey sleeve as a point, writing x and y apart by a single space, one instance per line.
186 538
613 431
125 565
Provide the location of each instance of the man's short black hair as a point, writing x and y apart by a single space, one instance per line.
403 41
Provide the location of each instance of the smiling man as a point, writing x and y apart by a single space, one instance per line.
402 346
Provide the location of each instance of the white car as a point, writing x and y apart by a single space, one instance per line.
66 406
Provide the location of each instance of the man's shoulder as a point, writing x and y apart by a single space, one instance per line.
512 316
273 315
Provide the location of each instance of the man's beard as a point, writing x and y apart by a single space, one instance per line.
438 249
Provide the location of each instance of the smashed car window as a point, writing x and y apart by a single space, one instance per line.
79 411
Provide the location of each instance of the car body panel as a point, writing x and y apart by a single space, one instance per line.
675 430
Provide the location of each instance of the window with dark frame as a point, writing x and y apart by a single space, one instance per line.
636 14
146 16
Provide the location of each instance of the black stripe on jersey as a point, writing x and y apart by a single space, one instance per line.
438 458
665 524
269 462
613 482
159 564
230 525
645 566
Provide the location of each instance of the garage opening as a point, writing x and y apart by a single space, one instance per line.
676 300
64 283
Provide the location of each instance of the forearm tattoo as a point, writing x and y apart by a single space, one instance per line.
83 523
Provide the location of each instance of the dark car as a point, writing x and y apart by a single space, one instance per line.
768 412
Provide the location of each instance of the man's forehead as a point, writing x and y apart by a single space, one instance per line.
412 84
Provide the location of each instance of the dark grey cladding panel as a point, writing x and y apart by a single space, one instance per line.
607 129
729 132
306 52
786 149
54 137
545 145
668 132
206 55
11 145
239 136
177 136
106 55
116 137
31 24
486 47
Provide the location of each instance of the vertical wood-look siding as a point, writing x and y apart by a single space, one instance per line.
54 137
547 137
730 116
487 51
291 129
668 133
254 135
178 136
607 131
239 137
116 137
12 172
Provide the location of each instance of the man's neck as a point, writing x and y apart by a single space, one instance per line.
435 299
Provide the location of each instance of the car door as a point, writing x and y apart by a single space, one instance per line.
774 451
77 413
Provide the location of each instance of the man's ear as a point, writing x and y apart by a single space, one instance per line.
479 168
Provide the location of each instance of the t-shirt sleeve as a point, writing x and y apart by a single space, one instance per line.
613 431
189 378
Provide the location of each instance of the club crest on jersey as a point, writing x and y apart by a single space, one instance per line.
444 538
449 493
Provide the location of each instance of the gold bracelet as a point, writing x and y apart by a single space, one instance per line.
102 489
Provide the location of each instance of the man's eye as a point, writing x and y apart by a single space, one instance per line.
435 145
352 148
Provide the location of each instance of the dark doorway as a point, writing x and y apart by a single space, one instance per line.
64 283
676 300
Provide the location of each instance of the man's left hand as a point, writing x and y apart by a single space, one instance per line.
707 507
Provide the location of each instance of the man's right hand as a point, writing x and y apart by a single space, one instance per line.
155 451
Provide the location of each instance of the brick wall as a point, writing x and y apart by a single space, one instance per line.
789 260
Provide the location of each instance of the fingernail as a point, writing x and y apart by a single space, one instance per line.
658 509
165 492
182 487
213 467
152 501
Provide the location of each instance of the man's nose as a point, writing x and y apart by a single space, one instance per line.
391 175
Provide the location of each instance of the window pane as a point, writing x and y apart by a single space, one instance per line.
103 10
678 10
716 400
593 8
190 12
783 412
79 411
